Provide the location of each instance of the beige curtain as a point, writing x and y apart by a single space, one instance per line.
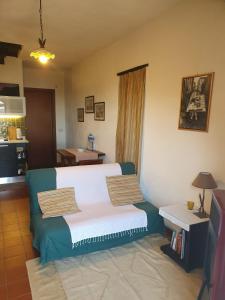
130 116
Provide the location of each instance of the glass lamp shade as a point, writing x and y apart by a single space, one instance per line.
204 180
42 55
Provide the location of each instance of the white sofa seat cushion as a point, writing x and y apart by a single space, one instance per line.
103 220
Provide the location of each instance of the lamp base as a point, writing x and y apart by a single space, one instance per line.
201 215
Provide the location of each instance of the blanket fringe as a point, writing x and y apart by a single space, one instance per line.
103 238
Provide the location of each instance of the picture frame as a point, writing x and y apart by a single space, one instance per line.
80 114
99 111
89 104
196 94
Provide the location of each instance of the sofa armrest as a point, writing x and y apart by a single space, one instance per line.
40 180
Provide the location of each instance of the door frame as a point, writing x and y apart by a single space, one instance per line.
52 94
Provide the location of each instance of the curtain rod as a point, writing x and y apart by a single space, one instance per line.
132 69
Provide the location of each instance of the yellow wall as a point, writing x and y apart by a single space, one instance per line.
12 72
186 40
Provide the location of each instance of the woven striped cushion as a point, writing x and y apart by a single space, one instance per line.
124 190
58 202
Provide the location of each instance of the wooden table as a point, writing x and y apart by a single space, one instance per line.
69 159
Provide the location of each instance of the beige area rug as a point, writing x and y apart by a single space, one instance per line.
134 271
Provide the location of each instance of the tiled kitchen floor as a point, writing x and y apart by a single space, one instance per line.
15 243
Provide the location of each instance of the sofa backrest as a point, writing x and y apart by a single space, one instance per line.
42 180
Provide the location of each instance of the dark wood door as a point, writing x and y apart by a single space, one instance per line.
40 124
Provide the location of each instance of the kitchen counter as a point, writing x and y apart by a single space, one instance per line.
14 142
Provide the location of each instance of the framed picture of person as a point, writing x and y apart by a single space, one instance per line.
196 94
80 115
99 111
89 104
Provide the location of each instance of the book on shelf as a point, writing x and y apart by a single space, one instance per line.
177 242
183 244
173 240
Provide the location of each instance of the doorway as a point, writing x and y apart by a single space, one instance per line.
40 124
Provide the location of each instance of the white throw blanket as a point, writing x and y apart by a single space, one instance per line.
98 216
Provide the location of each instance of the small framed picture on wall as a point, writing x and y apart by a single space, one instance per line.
196 94
80 115
99 111
89 104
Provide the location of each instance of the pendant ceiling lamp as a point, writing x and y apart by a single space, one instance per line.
42 54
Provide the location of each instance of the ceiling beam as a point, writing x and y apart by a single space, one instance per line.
8 49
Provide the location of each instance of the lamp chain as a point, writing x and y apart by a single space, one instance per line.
41 23
42 54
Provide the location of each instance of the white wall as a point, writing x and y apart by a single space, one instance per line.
48 79
12 72
186 40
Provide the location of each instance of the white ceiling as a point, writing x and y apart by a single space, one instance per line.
74 28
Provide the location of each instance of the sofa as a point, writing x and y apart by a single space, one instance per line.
51 236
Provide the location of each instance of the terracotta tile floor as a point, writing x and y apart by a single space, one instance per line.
15 242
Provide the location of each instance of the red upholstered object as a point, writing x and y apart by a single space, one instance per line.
217 290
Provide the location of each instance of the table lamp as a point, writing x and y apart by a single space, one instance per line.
204 180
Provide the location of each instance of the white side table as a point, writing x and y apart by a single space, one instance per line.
194 231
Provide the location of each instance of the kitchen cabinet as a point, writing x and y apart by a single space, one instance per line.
7 160
12 159
10 105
